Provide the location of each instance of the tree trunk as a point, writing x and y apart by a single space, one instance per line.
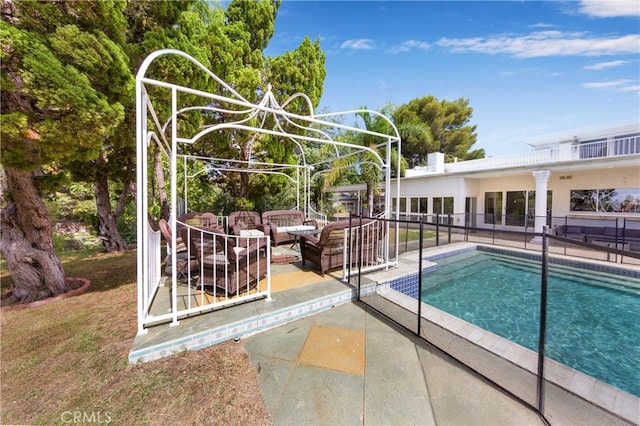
370 191
108 223
165 209
27 242
244 185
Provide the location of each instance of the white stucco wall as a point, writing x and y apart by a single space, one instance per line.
617 177
561 182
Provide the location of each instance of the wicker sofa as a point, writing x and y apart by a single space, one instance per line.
590 234
280 222
328 251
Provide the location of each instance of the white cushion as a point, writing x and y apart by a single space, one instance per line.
251 233
215 259
219 258
294 228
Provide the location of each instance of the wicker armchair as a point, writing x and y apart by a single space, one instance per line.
228 265
247 223
328 251
184 261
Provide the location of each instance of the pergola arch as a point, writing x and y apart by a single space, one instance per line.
266 117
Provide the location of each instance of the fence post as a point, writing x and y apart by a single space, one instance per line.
420 276
359 252
449 228
467 225
348 248
493 232
437 229
565 227
543 318
406 235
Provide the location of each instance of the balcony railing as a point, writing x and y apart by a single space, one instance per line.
563 153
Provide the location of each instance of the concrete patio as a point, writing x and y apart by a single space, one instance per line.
322 357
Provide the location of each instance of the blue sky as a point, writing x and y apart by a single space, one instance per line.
528 68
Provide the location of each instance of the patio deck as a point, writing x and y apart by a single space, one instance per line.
296 292
350 365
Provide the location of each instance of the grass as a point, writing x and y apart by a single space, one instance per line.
69 358
411 234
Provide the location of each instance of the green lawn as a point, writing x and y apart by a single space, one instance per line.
71 356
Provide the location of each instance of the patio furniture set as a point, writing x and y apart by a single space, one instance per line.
227 265
282 225
601 235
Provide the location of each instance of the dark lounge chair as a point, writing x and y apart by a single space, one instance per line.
228 265
338 242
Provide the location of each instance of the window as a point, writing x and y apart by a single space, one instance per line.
419 205
605 200
594 148
516 208
519 208
584 200
447 203
627 144
443 206
493 207
403 205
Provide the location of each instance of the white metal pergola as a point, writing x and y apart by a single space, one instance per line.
159 104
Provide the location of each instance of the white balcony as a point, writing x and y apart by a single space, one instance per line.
564 152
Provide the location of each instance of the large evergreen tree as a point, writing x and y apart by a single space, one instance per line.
51 115
236 56
68 105
429 125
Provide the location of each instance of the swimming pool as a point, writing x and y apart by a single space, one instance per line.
592 317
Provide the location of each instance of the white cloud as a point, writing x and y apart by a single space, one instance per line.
605 84
603 65
610 8
630 88
409 45
358 44
531 71
541 25
546 43
620 85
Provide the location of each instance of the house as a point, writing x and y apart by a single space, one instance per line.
591 175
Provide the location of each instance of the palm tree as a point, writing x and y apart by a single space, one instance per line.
365 163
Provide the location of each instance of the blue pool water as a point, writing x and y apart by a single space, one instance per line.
593 319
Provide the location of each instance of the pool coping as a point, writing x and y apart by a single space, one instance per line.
570 394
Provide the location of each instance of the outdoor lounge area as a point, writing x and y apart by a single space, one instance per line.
301 295
249 272
227 259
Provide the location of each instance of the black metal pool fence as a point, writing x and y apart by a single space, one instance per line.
419 233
